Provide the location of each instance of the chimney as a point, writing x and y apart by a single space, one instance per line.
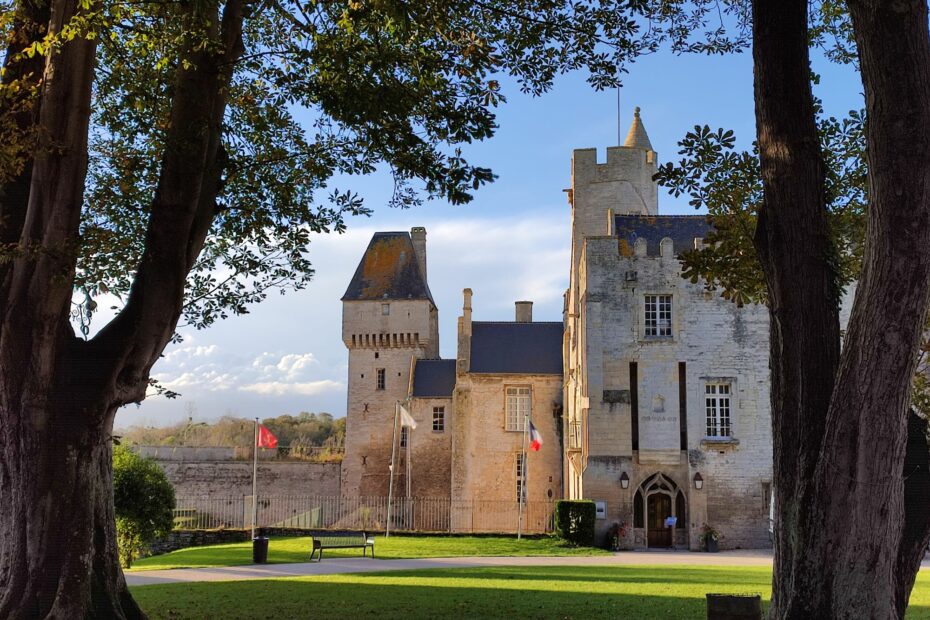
524 311
463 357
418 236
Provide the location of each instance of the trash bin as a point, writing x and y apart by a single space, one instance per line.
734 607
259 549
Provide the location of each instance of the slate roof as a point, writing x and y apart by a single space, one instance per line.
521 348
388 270
682 229
433 378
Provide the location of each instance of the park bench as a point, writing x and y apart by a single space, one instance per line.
341 540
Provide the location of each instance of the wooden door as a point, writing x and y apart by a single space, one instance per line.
659 508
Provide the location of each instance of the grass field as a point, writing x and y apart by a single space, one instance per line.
502 592
283 550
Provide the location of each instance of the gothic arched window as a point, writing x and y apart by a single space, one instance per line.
639 517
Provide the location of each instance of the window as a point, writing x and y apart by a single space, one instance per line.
658 317
717 406
681 511
521 476
639 512
404 436
439 419
518 408
380 378
385 309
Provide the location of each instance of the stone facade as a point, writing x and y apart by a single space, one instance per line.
651 395
646 354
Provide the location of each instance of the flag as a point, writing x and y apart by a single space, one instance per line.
406 419
265 438
535 439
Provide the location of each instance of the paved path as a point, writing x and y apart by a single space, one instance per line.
336 566
333 566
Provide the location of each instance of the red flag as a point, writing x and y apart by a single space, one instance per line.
535 439
265 438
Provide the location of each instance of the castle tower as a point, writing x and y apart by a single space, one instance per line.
388 318
621 186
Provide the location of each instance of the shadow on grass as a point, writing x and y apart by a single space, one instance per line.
294 599
498 592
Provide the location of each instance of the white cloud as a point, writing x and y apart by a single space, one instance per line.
278 388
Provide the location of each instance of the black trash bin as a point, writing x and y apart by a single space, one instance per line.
260 550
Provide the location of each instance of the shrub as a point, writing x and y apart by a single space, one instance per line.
574 521
144 502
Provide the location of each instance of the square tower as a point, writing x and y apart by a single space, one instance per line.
388 319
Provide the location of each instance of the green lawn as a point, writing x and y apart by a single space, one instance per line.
283 550
502 592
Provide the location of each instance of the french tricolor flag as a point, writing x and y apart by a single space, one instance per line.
535 439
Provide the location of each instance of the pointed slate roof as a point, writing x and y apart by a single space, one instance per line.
681 229
388 270
637 137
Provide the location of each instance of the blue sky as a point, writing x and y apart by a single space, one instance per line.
510 243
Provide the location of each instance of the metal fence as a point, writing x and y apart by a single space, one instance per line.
364 513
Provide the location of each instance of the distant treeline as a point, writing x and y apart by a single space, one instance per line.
304 430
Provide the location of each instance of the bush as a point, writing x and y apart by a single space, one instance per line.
574 521
144 502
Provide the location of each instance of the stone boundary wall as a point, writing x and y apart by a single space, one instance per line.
234 478
202 453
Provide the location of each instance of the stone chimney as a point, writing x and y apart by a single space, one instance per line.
418 236
524 312
463 359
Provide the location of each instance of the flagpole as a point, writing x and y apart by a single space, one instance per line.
522 498
408 472
387 532
254 478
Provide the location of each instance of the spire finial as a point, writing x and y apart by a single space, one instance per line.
637 138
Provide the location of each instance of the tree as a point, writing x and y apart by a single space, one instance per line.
153 156
851 461
143 499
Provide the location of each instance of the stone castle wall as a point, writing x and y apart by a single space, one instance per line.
374 342
484 453
233 479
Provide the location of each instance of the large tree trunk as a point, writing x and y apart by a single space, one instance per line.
850 517
58 393
59 559
793 243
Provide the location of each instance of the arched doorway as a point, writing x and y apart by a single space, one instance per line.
657 499
659 508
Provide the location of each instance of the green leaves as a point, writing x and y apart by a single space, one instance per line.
727 183
144 502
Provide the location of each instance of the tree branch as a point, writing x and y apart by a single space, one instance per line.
185 201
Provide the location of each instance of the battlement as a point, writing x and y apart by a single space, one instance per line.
623 163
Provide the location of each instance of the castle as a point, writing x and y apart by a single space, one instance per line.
651 394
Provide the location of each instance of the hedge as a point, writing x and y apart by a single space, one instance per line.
574 521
